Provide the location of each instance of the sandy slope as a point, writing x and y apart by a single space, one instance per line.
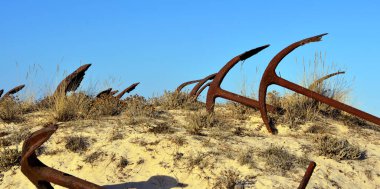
155 161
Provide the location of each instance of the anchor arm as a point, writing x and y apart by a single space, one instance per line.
329 101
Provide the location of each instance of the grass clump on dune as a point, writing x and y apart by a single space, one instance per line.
10 110
9 158
106 106
227 179
177 100
338 149
280 160
200 120
138 106
67 108
77 144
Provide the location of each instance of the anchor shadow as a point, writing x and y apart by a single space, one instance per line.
154 182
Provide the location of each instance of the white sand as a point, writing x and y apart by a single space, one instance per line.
152 165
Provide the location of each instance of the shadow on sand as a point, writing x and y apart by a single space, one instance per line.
154 182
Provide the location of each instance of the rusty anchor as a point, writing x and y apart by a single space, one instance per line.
127 90
201 90
40 174
104 93
114 92
195 89
270 77
319 81
13 91
307 176
215 91
183 85
72 81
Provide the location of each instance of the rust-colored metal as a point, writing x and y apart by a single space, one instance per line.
14 91
270 77
72 81
307 176
1 92
319 81
114 92
127 90
106 92
201 90
40 174
200 83
215 91
180 87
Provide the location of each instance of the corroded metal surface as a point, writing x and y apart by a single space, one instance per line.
270 77
215 91
307 176
127 90
200 83
201 90
180 87
14 91
40 174
104 93
114 92
319 81
72 81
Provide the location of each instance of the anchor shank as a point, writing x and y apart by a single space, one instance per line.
326 100
308 173
243 100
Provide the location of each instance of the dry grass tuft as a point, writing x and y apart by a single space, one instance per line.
239 111
177 100
106 106
338 149
199 159
245 157
319 129
77 144
178 140
116 135
14 138
298 110
280 160
161 128
9 158
10 110
227 179
67 108
93 157
200 120
81 106
138 106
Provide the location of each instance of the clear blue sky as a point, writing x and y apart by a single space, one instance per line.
164 43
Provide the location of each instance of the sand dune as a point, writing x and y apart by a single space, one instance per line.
177 159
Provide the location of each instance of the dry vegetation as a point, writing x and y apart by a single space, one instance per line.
228 179
177 100
77 144
200 120
9 158
10 110
278 159
337 149
174 134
